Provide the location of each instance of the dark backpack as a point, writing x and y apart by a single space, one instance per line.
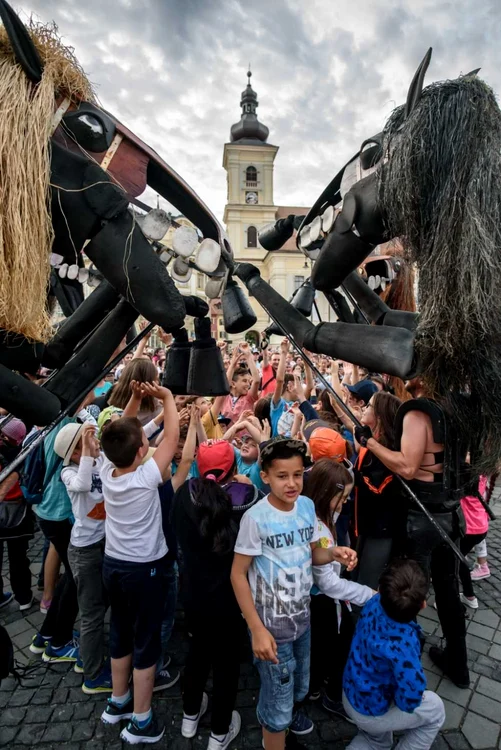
32 478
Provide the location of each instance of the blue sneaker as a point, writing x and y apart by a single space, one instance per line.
113 714
301 724
101 684
69 652
6 598
78 668
39 643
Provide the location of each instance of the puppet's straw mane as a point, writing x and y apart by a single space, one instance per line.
26 232
441 193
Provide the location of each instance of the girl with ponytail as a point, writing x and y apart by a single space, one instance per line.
206 518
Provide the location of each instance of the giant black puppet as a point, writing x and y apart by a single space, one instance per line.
69 172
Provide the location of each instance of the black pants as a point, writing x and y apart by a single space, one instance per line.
19 568
467 543
215 644
425 545
374 554
60 618
330 646
136 593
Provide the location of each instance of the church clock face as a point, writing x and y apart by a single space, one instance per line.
251 198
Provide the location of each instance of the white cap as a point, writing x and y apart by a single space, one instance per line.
67 439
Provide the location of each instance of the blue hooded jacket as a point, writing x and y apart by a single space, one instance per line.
384 665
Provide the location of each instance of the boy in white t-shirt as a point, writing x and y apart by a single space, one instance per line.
134 563
77 445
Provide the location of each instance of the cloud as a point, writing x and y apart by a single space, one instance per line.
327 74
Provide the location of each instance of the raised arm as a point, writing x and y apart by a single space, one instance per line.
284 350
167 447
233 363
309 381
188 454
142 344
256 377
134 402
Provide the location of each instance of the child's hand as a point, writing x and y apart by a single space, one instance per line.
245 415
345 556
264 646
156 390
184 416
242 479
266 431
284 346
90 444
136 389
195 414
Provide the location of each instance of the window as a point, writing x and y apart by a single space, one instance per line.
298 281
200 281
251 177
252 237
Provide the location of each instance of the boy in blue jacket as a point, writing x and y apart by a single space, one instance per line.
384 683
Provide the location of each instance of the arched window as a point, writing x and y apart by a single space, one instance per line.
251 176
252 237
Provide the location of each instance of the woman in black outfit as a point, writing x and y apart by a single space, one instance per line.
379 505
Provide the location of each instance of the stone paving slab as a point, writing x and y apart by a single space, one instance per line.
50 711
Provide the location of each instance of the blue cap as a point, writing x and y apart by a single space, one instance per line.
364 389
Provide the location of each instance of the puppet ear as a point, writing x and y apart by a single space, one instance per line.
472 73
24 50
416 87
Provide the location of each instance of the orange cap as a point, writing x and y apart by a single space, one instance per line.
327 443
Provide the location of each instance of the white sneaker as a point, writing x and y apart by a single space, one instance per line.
189 726
471 603
236 723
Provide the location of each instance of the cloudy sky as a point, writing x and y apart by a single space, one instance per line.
327 72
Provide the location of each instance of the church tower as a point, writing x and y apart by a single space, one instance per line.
248 160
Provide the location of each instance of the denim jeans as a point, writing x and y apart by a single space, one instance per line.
283 684
170 604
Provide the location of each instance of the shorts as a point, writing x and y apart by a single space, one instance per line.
283 684
136 592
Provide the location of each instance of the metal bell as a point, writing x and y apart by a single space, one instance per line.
304 298
238 314
206 376
177 364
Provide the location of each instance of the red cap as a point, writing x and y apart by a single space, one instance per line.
216 457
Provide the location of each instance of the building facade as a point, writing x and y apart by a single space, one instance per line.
249 161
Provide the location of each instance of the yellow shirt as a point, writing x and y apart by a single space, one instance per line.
211 426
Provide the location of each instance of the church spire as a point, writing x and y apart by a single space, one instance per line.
249 129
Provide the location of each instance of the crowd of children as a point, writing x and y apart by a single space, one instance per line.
248 501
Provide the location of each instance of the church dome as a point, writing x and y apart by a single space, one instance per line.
249 129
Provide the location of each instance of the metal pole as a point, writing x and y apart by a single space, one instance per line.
357 422
355 304
73 405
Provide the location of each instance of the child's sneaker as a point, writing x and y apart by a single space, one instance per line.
79 668
22 607
69 652
190 723
113 714
45 605
236 723
39 643
471 602
336 707
6 598
480 571
101 684
133 734
165 679
301 724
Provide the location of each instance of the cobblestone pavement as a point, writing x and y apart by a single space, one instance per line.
50 711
